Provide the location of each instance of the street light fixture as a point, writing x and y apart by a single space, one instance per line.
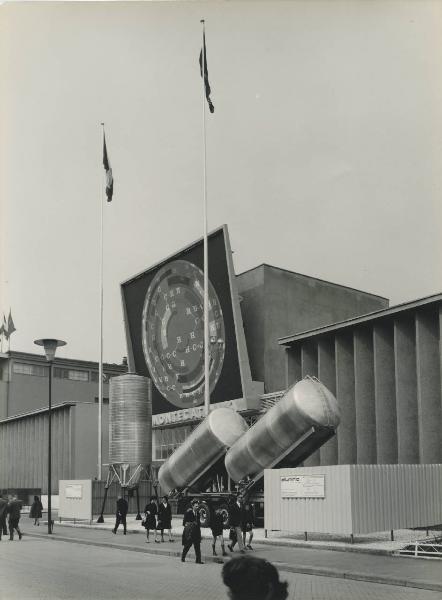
50 346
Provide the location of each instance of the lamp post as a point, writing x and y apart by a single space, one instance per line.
50 346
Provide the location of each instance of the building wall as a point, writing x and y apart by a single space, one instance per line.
278 303
386 373
24 446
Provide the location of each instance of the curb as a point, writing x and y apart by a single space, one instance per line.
285 567
265 541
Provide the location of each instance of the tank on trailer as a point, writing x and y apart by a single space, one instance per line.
305 417
207 444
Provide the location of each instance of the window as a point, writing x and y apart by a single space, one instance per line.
72 374
26 369
166 441
94 377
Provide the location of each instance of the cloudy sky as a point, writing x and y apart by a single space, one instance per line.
324 154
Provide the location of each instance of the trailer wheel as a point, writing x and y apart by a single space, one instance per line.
224 510
205 514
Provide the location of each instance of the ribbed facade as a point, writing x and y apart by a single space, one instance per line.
385 370
24 449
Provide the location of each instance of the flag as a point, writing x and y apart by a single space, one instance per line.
206 75
5 328
107 168
11 326
2 329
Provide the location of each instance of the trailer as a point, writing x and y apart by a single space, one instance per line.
223 459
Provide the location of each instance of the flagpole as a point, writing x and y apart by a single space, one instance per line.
100 364
206 252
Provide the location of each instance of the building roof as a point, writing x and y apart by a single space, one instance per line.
378 314
62 362
309 277
38 411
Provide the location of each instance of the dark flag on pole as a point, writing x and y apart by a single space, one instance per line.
5 328
107 168
203 66
11 326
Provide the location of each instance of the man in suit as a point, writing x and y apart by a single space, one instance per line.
3 512
120 515
192 532
235 521
14 508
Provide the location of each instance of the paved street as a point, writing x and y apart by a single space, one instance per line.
42 568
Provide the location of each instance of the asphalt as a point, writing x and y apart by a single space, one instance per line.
375 564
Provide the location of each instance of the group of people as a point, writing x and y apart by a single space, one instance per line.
158 518
10 510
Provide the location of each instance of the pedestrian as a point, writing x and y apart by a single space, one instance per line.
192 532
248 521
14 508
150 519
36 510
217 527
3 513
235 519
165 518
120 515
253 578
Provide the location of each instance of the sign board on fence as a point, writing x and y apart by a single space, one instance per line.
74 491
303 486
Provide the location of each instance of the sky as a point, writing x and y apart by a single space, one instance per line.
324 154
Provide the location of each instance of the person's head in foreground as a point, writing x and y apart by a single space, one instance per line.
252 578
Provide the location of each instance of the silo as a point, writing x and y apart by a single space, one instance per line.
205 445
307 406
130 420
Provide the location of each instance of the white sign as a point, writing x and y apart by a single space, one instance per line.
303 486
74 491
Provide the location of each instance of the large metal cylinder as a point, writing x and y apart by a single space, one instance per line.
306 404
130 420
206 444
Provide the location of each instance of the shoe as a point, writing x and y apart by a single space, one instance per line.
124 533
249 547
230 547
114 532
199 562
157 542
183 560
225 553
20 536
171 540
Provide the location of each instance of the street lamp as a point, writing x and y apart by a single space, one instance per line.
50 346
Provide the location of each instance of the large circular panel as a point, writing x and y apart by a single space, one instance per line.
173 333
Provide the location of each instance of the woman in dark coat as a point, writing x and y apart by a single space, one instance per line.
217 527
150 521
36 510
165 518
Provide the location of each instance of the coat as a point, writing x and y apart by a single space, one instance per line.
164 516
3 508
150 510
217 523
14 508
36 510
122 507
235 515
192 528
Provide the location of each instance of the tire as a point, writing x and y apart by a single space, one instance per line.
205 514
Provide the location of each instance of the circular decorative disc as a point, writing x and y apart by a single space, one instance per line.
173 333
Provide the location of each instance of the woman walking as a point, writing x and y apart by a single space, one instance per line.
247 524
36 510
150 521
165 518
217 527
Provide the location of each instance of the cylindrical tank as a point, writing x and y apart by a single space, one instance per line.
307 403
130 420
208 442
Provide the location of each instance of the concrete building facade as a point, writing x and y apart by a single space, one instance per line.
385 370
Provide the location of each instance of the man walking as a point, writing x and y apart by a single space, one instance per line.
235 520
192 532
3 512
14 508
122 508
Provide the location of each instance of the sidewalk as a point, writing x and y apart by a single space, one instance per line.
375 564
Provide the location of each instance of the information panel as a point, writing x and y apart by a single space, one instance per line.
303 486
